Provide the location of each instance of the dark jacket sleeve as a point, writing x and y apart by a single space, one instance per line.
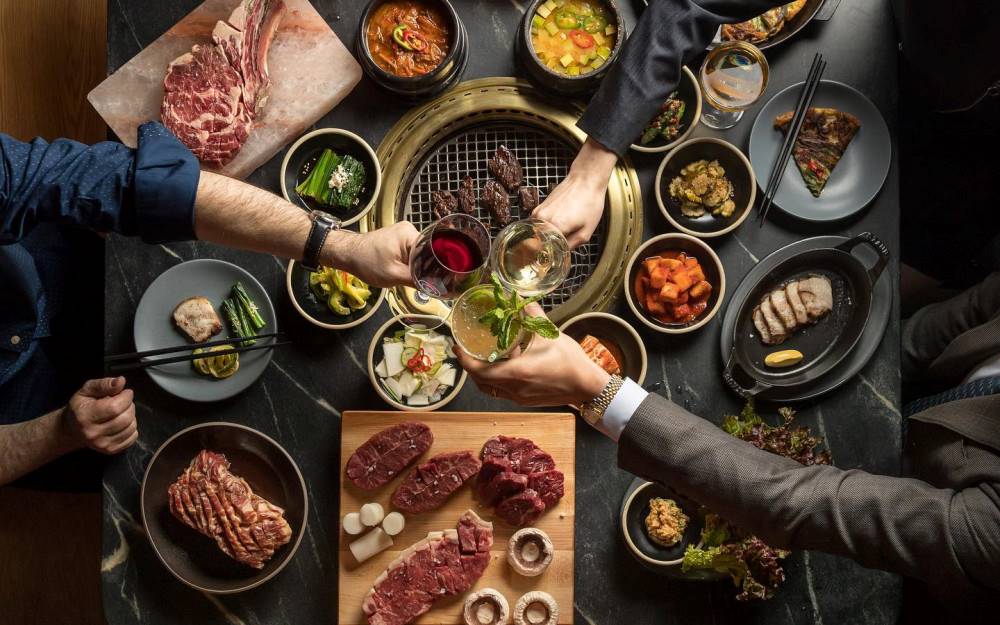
107 186
670 33
898 524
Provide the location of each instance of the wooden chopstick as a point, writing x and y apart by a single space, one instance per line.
187 347
805 101
132 366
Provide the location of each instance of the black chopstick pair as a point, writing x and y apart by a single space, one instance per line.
116 363
805 100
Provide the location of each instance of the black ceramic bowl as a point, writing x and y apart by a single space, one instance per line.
446 74
690 93
194 558
316 311
710 264
300 158
552 81
738 171
635 509
615 330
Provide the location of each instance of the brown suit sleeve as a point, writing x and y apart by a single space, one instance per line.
898 524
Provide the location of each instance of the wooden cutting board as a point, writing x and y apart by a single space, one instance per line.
455 431
311 72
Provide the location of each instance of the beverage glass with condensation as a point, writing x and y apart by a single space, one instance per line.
470 333
530 257
732 77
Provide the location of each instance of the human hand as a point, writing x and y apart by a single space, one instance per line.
381 257
576 205
101 416
550 372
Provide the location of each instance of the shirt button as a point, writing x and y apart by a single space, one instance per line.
14 340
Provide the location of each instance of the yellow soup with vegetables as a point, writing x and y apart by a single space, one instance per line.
573 37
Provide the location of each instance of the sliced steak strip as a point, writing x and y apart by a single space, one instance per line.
467 196
430 484
550 486
387 453
502 486
521 509
534 461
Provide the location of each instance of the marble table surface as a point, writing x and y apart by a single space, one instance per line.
300 397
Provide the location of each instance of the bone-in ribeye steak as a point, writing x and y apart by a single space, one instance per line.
384 456
443 564
220 505
213 94
430 484
519 478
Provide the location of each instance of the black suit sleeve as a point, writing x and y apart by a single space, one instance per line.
669 34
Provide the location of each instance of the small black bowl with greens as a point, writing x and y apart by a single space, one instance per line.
331 298
676 119
334 171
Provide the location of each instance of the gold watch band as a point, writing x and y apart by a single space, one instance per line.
594 409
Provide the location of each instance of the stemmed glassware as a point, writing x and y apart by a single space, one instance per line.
530 257
449 257
733 77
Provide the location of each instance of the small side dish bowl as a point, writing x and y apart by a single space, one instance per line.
710 263
690 93
300 158
194 558
651 555
317 312
612 331
376 355
738 171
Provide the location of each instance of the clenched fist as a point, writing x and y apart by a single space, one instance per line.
101 416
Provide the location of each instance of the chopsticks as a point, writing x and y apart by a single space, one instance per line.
805 100
115 362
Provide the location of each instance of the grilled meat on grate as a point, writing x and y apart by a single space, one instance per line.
505 167
443 203
495 198
467 196
528 197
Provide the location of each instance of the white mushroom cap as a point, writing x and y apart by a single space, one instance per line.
529 551
486 607
536 608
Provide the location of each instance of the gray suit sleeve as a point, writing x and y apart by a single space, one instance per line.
669 34
898 524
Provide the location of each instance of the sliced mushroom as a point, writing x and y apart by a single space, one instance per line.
530 551
486 607
536 608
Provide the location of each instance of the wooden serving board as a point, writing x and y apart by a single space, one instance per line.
455 431
311 72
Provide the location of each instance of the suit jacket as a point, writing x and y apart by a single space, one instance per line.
942 525
670 33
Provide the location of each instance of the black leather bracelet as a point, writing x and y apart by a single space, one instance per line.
322 225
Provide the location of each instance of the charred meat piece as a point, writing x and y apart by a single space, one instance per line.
443 203
528 197
209 498
467 196
384 456
495 198
197 318
430 484
505 168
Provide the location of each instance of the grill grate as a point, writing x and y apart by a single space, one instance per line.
545 161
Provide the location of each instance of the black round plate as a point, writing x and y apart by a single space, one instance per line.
855 360
856 179
194 558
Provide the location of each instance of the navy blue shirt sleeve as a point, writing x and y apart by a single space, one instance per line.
107 186
670 33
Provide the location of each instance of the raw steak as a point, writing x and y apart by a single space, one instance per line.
549 485
431 483
384 456
505 168
502 486
209 498
522 509
495 198
467 196
519 478
534 461
213 94
444 564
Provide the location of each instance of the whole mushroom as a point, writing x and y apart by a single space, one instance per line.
530 551
536 608
486 607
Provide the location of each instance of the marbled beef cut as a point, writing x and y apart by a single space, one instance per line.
430 484
384 456
444 564
550 486
502 486
521 509
519 478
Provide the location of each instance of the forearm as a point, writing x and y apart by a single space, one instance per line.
593 165
27 446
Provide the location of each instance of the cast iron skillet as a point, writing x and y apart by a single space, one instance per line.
824 344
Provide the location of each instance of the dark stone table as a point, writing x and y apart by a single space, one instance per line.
299 398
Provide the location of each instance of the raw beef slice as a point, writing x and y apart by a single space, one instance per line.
521 509
430 484
384 456
519 478
549 485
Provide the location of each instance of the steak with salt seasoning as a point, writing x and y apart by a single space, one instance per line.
430 484
384 456
444 564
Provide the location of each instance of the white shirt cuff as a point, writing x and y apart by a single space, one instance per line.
623 405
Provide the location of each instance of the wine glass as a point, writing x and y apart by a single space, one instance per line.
530 257
733 76
449 257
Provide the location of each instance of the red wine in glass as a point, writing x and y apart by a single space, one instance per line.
450 256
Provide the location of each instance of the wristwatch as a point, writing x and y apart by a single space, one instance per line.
322 225
593 410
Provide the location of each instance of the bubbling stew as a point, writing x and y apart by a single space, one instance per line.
408 38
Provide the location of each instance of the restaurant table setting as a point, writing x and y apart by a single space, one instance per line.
306 438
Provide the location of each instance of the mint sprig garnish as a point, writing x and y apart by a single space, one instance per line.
506 319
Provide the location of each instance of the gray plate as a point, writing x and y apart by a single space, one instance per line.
154 327
878 318
856 179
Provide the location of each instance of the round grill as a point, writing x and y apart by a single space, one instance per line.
545 161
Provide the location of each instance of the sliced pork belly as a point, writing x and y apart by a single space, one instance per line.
783 309
761 325
774 325
792 293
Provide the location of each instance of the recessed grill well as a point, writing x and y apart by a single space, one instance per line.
545 160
